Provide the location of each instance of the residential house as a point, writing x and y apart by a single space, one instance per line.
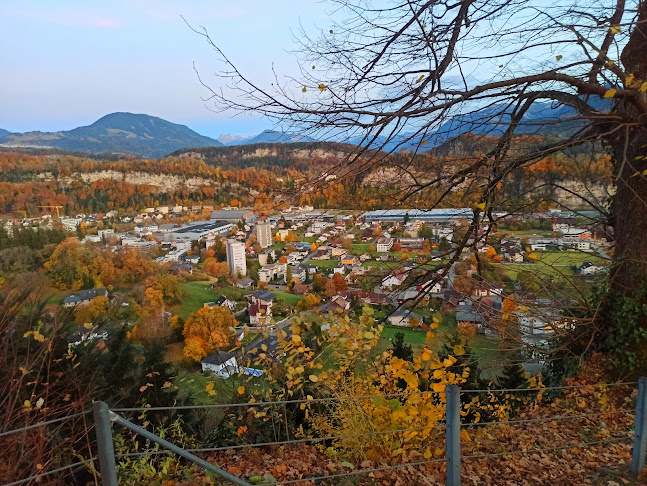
178 268
266 257
349 260
394 279
222 363
384 244
262 297
301 289
84 297
244 283
272 272
299 272
405 318
259 314
487 289
336 304
222 301
588 268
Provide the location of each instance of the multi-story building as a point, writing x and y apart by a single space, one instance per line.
264 234
236 257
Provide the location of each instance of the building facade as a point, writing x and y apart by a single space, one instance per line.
264 234
236 257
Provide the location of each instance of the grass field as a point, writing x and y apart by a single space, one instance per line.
195 295
323 263
289 299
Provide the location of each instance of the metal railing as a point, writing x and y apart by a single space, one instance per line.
104 417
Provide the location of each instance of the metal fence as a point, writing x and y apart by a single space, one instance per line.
104 417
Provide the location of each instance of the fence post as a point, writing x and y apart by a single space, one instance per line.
640 429
103 429
453 434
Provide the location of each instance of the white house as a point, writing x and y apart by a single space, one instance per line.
222 363
384 244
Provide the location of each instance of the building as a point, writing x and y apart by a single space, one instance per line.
84 297
271 272
431 215
233 215
221 363
236 257
405 318
197 230
264 234
384 245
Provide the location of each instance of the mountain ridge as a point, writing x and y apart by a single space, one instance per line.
119 132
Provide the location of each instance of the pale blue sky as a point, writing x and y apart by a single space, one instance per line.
66 63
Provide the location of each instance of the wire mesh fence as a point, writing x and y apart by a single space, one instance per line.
448 432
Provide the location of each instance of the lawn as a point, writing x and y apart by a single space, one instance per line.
323 263
195 295
361 248
289 299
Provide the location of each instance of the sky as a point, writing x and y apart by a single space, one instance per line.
69 62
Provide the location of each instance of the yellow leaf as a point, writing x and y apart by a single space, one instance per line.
241 390
614 29
438 374
264 347
438 387
314 378
499 185
39 337
40 402
610 93
481 205
629 80
368 335
309 397
422 76
87 325
459 350
439 452
322 87
209 387
142 388
643 87
610 62
465 436
167 384
559 58
211 392
26 405
313 66
427 454
39 467
303 90
426 355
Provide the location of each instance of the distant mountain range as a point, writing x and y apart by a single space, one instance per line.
128 133
149 136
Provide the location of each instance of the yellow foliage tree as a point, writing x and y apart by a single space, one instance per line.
208 328
87 314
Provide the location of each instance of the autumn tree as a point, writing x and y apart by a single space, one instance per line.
319 283
395 76
208 330
214 267
88 313
308 302
68 266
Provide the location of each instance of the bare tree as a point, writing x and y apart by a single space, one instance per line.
416 73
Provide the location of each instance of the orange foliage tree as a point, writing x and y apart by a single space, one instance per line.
208 330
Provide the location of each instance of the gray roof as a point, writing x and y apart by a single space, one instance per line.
231 214
218 358
465 316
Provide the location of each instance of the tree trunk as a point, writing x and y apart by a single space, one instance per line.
629 208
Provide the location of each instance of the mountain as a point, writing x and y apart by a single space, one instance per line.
271 136
3 133
229 139
144 135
